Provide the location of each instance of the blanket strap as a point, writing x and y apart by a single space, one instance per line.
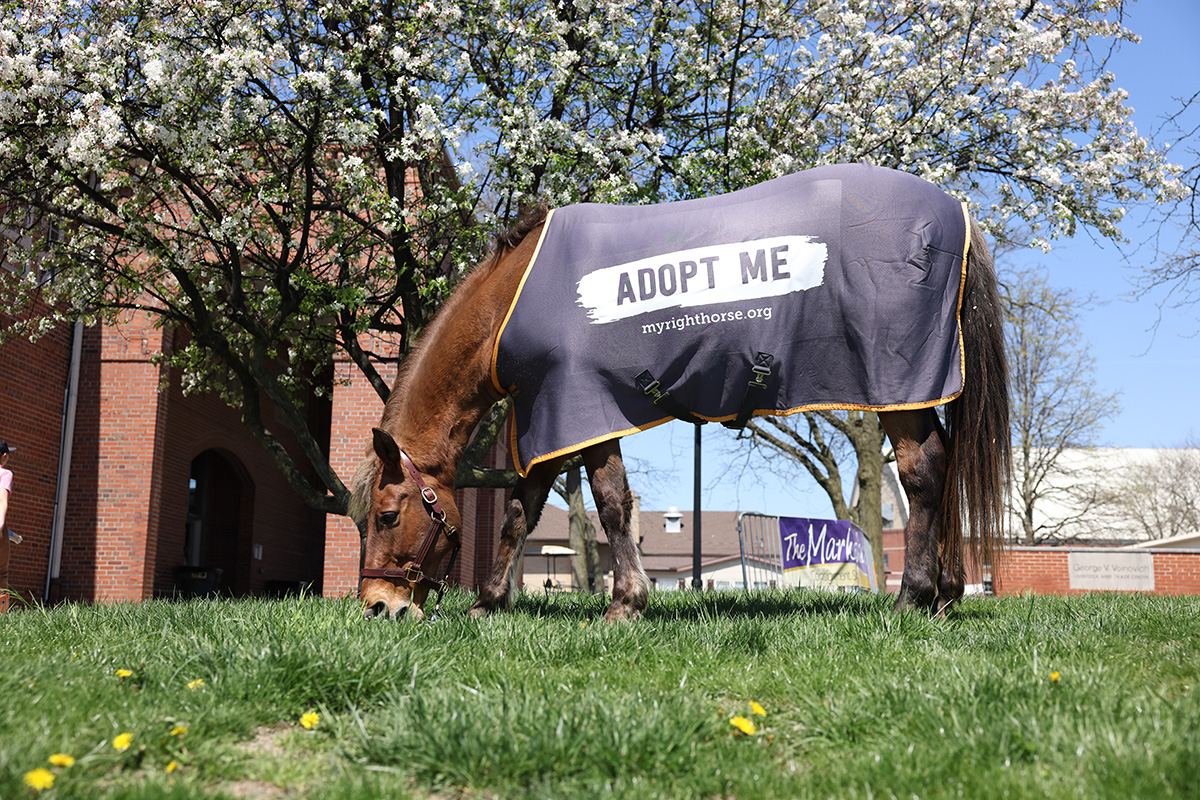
650 386
762 371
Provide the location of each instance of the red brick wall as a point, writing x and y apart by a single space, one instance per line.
33 382
1044 570
133 450
488 517
356 409
108 552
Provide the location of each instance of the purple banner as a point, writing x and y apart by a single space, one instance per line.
826 553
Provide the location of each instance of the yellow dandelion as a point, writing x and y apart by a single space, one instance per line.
1055 677
744 725
757 709
123 741
196 684
310 720
40 778
62 760
123 673
179 730
174 765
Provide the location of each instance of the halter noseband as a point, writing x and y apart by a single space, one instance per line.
414 571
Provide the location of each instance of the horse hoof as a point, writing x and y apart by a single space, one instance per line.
916 595
619 612
912 601
942 606
484 607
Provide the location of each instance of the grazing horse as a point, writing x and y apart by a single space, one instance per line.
838 287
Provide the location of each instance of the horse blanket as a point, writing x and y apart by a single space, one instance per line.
848 277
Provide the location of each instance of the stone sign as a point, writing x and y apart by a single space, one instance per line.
1111 571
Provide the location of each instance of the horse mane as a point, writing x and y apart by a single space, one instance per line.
502 243
527 222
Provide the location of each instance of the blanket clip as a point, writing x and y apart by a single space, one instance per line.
650 387
762 371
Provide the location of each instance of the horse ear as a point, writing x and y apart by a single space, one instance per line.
385 447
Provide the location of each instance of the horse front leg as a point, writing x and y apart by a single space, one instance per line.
610 489
918 441
520 516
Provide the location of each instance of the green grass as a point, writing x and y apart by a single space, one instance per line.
550 702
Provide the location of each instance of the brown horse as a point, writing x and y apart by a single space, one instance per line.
954 475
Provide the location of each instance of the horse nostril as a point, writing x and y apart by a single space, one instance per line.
380 609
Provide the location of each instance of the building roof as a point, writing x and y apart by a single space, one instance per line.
1185 541
661 551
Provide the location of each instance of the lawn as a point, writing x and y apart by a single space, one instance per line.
1014 697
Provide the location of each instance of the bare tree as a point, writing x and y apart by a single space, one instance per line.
821 441
1056 407
1159 498
1173 249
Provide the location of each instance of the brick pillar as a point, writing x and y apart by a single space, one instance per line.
356 409
131 423
487 516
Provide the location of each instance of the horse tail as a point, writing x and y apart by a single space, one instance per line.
980 454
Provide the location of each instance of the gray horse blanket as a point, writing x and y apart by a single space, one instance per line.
848 277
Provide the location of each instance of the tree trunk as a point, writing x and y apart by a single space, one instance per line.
868 447
582 535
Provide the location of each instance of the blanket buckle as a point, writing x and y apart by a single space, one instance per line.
650 387
762 370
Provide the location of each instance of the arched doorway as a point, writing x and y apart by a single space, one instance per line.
217 544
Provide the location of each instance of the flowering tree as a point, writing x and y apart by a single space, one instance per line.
276 177
1009 105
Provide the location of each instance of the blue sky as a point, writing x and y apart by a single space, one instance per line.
1156 372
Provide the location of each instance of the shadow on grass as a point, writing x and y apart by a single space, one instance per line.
699 606
685 605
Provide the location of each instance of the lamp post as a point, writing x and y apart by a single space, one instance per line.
697 584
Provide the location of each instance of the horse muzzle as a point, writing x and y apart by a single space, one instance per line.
384 599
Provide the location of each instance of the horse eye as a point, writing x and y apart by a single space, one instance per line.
388 518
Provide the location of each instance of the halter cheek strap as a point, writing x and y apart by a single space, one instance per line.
414 571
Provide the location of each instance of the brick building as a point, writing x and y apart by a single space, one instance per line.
153 491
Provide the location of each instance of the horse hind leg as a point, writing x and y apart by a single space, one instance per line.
520 517
952 567
610 489
918 441
952 574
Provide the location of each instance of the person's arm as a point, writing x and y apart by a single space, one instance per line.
3 508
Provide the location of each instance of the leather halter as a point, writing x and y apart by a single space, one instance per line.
414 571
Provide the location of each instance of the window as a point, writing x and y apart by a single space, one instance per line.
19 228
